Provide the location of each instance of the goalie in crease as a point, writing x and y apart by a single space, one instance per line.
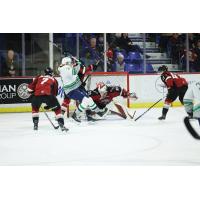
103 95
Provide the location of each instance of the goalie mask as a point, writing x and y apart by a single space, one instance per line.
102 88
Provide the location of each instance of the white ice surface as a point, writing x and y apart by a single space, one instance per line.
113 141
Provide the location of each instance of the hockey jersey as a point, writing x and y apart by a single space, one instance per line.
43 85
172 80
112 92
69 77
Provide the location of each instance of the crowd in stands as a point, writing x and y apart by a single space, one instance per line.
175 46
121 53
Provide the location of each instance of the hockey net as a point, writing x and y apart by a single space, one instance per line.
110 78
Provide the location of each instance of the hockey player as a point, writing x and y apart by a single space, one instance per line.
176 86
192 100
44 90
72 86
83 70
192 107
104 94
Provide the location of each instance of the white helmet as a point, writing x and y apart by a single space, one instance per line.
66 61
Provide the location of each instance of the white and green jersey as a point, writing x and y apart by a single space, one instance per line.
69 77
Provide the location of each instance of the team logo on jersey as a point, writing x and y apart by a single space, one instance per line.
61 91
22 91
160 86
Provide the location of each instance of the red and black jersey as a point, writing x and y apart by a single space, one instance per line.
83 71
172 80
112 92
44 85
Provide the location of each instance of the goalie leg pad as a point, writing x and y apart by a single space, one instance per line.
121 110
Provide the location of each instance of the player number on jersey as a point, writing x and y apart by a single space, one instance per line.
174 75
44 80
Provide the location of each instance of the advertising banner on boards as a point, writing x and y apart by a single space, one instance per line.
14 90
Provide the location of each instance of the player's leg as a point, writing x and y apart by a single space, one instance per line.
90 103
196 107
85 102
35 103
188 102
90 115
182 93
171 96
65 105
53 103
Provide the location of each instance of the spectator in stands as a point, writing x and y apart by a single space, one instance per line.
92 55
175 47
110 59
100 42
55 67
191 40
192 60
9 66
163 40
197 53
119 65
111 38
124 42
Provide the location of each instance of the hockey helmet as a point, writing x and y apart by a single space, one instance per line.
66 61
162 68
48 71
102 87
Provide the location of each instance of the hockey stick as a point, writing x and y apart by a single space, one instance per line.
190 129
148 109
86 79
134 113
116 113
55 127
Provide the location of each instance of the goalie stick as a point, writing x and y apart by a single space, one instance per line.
190 129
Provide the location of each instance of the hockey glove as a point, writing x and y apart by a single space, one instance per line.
95 67
133 95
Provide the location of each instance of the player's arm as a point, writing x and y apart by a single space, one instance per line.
118 91
31 86
55 87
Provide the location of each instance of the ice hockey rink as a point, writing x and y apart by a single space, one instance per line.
112 141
